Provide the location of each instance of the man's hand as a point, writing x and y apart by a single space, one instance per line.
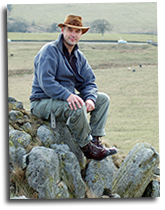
73 100
89 105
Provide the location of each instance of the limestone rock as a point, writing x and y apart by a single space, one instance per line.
14 103
27 126
61 135
43 172
67 138
46 135
136 171
157 172
63 192
52 178
60 148
11 100
15 115
19 138
99 177
71 174
16 155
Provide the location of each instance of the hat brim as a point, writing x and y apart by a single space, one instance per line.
84 29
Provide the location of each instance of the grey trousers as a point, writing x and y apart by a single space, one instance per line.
76 120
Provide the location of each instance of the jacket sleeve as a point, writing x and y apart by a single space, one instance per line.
46 67
86 84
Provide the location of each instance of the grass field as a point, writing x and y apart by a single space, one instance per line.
21 55
133 115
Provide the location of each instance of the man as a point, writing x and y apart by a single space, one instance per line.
60 68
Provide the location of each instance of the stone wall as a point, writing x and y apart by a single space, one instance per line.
48 164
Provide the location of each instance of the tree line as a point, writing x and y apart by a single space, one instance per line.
14 25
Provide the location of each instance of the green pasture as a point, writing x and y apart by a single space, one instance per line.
88 36
133 115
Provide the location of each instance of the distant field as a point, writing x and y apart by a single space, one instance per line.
21 55
88 36
137 17
133 115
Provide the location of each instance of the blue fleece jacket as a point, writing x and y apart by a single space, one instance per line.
54 77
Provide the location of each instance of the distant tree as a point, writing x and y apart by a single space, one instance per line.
53 28
100 26
17 26
33 23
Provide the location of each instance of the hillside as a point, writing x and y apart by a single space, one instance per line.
125 17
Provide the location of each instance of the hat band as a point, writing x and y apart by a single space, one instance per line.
74 23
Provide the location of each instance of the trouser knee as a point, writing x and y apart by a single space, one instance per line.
76 114
102 98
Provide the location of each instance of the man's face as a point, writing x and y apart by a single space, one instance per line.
71 35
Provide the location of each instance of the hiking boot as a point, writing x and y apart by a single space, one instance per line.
91 151
96 141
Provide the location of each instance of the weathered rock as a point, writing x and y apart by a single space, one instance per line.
157 172
11 100
67 138
16 155
63 192
153 189
46 135
99 177
27 126
71 173
19 138
14 103
15 115
60 148
61 135
43 172
136 171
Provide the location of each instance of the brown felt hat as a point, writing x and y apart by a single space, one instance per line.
74 21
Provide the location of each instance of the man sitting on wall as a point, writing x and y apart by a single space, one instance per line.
60 68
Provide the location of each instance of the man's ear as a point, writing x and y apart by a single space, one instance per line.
62 30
